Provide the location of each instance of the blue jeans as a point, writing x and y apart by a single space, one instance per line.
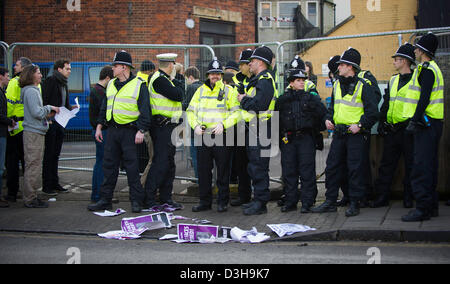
97 176
2 160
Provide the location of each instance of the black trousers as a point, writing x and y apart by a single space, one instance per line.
258 153
350 152
241 164
395 145
14 154
53 145
298 159
207 156
424 173
162 170
120 148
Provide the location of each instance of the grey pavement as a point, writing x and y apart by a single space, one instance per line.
68 215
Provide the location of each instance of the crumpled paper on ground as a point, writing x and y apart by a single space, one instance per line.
251 236
287 229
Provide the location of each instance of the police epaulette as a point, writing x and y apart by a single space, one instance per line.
426 64
364 80
139 78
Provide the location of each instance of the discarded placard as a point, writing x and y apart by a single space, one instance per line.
152 221
107 213
288 229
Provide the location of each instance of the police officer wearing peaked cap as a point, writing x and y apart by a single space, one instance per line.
213 109
258 104
354 110
166 96
425 107
300 113
126 112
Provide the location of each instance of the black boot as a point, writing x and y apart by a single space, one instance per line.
257 208
201 207
136 207
288 207
416 215
102 204
327 206
381 201
306 208
407 201
343 202
353 209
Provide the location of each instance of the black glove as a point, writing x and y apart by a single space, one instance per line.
414 127
241 88
382 129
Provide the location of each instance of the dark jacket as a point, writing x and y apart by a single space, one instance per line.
52 89
4 120
190 91
96 97
264 94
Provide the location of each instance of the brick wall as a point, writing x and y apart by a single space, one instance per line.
130 22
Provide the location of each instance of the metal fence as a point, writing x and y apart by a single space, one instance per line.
79 149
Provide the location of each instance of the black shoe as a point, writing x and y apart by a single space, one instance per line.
50 192
247 205
4 203
306 208
380 201
201 207
238 202
288 208
222 208
100 205
343 202
60 189
36 203
175 205
327 206
136 207
281 201
416 215
256 209
448 203
353 209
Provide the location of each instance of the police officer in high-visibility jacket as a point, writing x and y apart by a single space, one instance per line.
425 106
126 112
166 96
213 109
296 64
354 111
258 104
241 80
397 142
14 148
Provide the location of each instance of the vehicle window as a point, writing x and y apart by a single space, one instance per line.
94 74
75 83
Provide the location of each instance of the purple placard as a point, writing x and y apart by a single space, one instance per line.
133 224
192 232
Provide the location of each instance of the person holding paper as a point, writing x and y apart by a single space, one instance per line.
55 92
35 126
5 123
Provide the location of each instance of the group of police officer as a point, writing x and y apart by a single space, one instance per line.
411 120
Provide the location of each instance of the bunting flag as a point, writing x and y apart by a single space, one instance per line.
276 19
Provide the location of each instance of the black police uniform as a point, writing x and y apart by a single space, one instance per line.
300 113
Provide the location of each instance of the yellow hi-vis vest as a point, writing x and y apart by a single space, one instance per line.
143 76
122 105
349 108
308 86
206 109
14 103
265 115
160 104
397 99
435 108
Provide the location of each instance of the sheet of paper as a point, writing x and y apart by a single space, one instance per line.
109 213
288 229
65 115
13 128
251 236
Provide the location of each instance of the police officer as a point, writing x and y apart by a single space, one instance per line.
147 70
14 148
354 111
213 109
296 64
425 106
166 96
258 102
397 142
241 80
300 112
126 112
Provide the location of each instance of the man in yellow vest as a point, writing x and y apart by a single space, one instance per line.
354 110
147 70
126 112
425 106
14 148
258 104
213 109
397 141
166 96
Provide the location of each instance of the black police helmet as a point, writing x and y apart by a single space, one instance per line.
147 65
351 56
406 51
428 43
296 74
245 56
215 67
123 57
232 65
297 63
333 63
264 54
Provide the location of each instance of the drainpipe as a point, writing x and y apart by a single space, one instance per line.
256 22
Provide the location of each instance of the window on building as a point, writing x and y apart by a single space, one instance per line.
287 10
312 14
266 11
